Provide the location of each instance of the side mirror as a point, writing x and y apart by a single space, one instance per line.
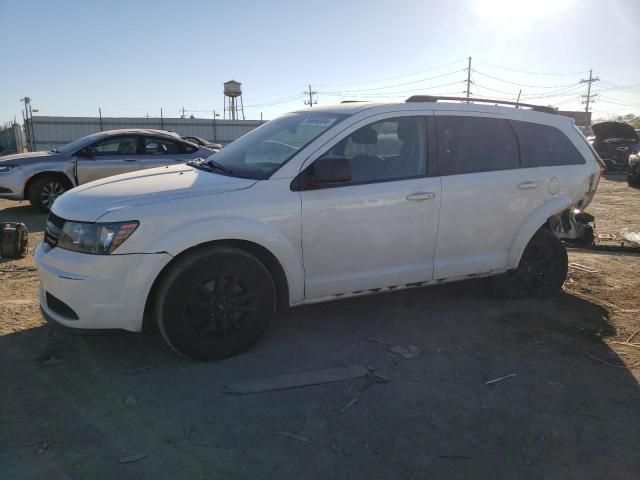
85 153
328 171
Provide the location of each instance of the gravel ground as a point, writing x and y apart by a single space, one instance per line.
124 406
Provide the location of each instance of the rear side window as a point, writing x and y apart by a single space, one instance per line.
160 146
545 146
475 144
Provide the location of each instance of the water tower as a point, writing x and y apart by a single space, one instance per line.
233 95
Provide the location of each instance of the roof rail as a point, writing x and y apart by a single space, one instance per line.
353 101
429 98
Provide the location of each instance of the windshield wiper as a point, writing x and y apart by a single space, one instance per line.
209 165
215 165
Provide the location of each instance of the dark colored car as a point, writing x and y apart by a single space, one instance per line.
614 142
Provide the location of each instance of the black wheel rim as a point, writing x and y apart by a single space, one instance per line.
221 306
50 192
535 274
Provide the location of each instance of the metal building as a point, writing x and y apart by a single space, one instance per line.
52 132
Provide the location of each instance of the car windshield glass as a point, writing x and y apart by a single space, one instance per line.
80 143
261 152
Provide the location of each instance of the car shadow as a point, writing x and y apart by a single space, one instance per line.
567 407
24 213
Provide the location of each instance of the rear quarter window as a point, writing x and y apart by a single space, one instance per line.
545 146
475 144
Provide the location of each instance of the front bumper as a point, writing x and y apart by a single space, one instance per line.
96 291
11 186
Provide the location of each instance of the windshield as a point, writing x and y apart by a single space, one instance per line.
261 152
80 143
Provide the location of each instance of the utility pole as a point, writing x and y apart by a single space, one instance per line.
468 91
183 115
311 94
589 98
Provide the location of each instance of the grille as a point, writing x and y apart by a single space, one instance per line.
53 229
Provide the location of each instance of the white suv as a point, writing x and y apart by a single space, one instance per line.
317 205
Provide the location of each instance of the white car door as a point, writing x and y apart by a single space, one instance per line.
111 156
486 196
379 229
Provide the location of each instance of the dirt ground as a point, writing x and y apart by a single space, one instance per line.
124 406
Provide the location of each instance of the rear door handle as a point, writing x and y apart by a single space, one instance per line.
130 159
528 185
420 196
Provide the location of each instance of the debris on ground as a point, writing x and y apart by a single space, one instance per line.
296 380
132 458
630 236
300 438
499 379
406 352
130 401
53 360
351 403
583 268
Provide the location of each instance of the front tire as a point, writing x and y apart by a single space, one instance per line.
215 302
541 272
44 191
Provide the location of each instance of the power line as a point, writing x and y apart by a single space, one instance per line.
313 96
393 78
529 72
343 94
396 85
522 84
468 90
589 98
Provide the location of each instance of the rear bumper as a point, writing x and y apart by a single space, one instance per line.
96 292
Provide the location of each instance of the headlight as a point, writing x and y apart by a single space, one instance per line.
6 168
95 238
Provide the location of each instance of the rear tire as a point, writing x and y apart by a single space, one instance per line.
215 302
541 272
44 191
633 181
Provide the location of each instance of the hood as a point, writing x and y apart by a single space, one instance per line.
24 156
91 201
607 130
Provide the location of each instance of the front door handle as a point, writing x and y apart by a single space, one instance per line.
528 185
420 196
130 159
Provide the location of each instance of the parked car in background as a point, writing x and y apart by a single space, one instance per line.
41 177
202 142
320 204
614 142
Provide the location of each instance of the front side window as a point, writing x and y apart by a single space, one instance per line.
261 152
390 149
125 145
475 144
543 145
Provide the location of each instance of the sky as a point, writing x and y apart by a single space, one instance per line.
131 58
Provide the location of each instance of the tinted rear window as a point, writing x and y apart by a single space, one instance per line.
475 144
542 145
